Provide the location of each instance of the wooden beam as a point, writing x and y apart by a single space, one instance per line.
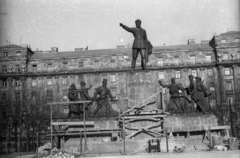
68 102
140 104
144 117
217 128
88 133
73 123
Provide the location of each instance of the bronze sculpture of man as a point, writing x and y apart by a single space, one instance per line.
85 96
74 109
103 93
139 44
175 104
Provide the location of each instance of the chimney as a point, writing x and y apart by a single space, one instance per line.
205 41
120 46
191 41
54 49
78 49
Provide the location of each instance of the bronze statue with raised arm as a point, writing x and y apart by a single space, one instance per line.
139 44
103 93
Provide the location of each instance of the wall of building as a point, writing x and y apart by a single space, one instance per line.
49 74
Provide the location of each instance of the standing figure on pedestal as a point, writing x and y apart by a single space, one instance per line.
103 93
74 109
191 91
175 103
85 96
139 44
201 94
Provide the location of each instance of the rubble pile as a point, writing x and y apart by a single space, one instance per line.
60 154
46 152
45 149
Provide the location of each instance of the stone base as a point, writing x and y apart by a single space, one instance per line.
190 122
102 143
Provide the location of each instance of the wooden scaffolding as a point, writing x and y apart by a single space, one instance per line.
142 111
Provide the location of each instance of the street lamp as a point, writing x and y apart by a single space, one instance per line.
31 130
18 134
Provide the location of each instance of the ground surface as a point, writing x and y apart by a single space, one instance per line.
190 154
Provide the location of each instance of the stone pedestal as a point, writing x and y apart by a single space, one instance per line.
190 122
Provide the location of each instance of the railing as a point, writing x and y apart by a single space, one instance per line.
61 123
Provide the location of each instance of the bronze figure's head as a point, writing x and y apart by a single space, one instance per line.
138 23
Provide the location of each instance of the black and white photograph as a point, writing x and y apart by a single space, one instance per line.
119 78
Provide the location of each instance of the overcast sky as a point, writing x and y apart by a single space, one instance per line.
70 24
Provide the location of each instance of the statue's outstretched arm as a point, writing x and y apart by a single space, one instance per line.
127 28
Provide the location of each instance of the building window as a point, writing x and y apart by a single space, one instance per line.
113 78
4 83
49 82
210 72
23 68
72 78
229 86
50 66
10 68
238 55
80 64
34 68
65 110
5 54
161 75
4 68
227 71
34 83
49 95
18 68
176 60
97 63
18 52
113 91
194 73
225 56
237 40
230 100
178 74
65 64
18 83
17 97
160 62
208 58
212 89
192 59
4 97
213 102
64 81
112 63
224 41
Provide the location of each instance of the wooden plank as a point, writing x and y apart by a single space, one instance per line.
214 128
148 114
217 128
140 104
69 102
144 117
88 133
73 123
